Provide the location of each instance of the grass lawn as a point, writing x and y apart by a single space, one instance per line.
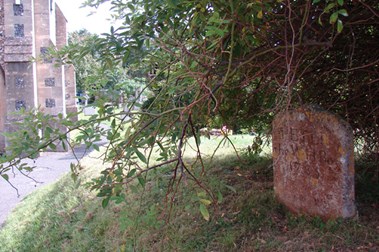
244 216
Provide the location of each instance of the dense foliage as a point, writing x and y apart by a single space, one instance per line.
233 63
92 80
242 61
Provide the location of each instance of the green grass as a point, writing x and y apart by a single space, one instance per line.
67 217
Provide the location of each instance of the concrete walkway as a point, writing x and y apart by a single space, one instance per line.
50 166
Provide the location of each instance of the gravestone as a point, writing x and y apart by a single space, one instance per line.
313 159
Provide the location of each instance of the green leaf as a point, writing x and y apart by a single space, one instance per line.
147 42
96 147
131 7
160 146
105 202
174 137
73 167
193 65
118 199
52 146
204 212
340 2
212 30
173 3
343 12
219 197
339 26
329 7
64 146
260 14
145 141
49 130
215 18
333 17
205 202
140 155
141 181
125 58
198 138
27 168
201 194
316 1
113 124
131 173
134 189
5 176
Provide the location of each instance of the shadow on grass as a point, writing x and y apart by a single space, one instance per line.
65 217
49 219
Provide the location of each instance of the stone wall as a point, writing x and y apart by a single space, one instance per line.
49 76
26 33
69 71
2 36
61 31
70 91
19 89
3 108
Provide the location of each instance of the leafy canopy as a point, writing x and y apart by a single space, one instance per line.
228 62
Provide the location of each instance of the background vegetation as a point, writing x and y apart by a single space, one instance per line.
214 63
207 63
67 217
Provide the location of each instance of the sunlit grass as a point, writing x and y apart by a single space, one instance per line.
221 145
67 217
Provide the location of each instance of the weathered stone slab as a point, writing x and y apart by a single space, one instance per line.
313 157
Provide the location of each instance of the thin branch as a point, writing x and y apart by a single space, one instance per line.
197 145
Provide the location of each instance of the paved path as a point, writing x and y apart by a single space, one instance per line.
50 166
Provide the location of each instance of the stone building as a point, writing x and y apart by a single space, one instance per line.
27 29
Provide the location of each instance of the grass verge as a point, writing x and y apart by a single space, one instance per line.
66 217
